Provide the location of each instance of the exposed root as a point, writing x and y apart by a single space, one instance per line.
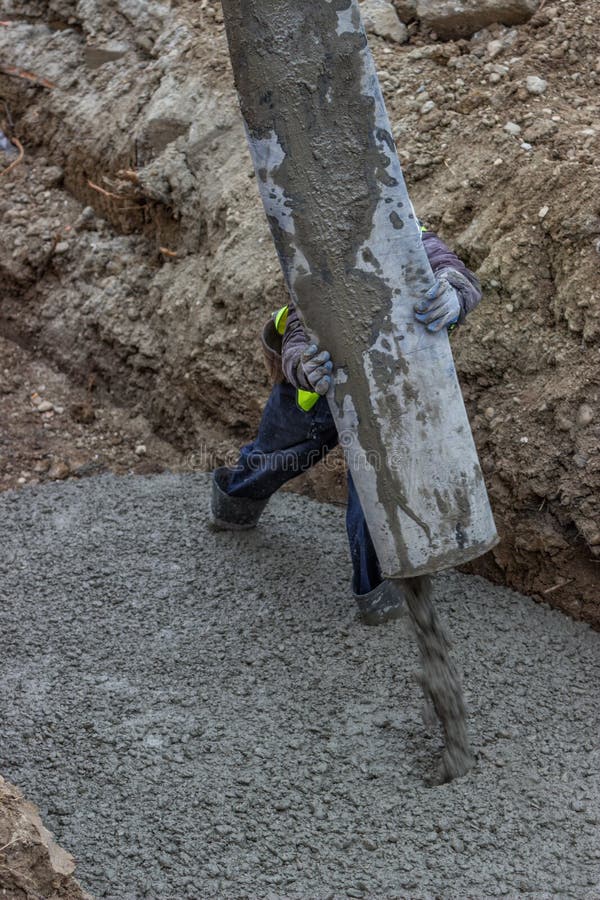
104 192
15 72
111 195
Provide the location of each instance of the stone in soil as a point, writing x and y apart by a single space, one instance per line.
462 18
381 18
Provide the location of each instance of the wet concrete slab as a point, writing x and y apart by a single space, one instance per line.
199 714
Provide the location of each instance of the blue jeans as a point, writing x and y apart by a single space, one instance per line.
290 441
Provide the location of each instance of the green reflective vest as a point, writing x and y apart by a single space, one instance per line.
305 399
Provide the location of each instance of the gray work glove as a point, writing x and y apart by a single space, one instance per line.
440 307
316 366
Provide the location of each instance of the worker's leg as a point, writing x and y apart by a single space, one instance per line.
289 441
366 572
378 599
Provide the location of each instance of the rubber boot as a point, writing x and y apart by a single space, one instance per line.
383 604
232 513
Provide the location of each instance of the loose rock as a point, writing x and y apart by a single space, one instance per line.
406 9
512 128
461 18
494 48
585 415
52 176
536 85
540 130
59 471
24 838
381 18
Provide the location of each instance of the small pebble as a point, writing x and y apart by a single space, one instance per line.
512 128
562 423
494 48
535 85
585 415
59 471
140 450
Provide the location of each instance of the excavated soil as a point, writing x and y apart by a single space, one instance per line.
133 249
78 436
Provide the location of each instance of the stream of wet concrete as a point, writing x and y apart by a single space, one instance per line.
440 679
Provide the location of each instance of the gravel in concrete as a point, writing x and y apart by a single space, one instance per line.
198 714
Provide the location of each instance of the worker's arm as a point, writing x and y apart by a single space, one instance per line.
441 305
455 292
304 365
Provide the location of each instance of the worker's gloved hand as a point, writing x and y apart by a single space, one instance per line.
316 365
440 306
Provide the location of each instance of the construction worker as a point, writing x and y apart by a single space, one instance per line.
297 429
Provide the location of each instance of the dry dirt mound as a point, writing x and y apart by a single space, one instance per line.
32 865
133 245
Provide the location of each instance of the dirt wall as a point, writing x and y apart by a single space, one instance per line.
32 865
133 244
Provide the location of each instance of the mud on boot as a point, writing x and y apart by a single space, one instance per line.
383 604
232 513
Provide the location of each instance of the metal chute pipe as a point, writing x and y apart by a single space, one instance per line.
354 263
